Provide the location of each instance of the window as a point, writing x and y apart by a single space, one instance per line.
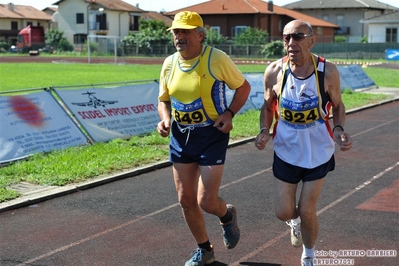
101 21
319 30
14 25
79 38
325 17
237 30
80 18
215 29
340 20
391 35
134 23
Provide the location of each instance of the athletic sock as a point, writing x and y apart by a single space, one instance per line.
308 252
297 220
206 245
226 218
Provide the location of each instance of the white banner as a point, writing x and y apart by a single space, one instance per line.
354 77
112 113
256 97
351 77
256 81
34 123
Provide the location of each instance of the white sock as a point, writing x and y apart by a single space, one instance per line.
296 220
308 252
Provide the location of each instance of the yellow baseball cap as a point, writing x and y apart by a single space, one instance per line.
187 20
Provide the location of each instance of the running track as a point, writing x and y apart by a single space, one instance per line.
137 221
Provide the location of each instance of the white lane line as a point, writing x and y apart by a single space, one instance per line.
96 236
110 230
371 129
329 206
272 241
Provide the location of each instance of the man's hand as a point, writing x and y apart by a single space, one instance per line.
262 139
342 139
163 128
224 122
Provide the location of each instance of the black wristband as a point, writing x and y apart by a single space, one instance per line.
262 129
338 126
230 111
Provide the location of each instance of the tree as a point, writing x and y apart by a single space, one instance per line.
53 38
251 36
273 49
340 39
213 37
364 39
152 32
56 41
4 47
65 46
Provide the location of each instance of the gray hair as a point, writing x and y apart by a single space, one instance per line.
202 30
307 24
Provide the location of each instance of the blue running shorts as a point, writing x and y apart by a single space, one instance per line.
204 145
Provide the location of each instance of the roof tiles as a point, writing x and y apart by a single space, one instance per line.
215 7
111 5
347 4
21 12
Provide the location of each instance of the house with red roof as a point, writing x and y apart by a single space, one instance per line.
77 19
14 18
230 17
152 15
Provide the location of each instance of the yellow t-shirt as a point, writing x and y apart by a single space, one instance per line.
196 87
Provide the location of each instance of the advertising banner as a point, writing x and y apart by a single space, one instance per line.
119 112
392 54
354 77
34 123
351 77
256 96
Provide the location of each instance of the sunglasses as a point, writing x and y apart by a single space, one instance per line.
295 36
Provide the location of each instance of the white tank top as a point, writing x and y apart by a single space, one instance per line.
302 135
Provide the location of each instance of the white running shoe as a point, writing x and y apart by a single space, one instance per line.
296 238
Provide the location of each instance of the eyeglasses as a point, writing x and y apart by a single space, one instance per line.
296 36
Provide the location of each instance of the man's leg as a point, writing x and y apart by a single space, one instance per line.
309 223
307 210
209 201
284 200
286 210
186 178
208 190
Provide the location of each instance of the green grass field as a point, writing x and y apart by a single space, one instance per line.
81 163
16 76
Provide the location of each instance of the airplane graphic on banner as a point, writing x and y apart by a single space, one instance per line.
94 101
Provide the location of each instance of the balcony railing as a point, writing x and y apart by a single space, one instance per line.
342 31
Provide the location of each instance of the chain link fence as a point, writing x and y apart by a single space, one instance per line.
114 46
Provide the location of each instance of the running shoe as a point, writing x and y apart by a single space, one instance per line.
296 238
231 232
307 261
201 257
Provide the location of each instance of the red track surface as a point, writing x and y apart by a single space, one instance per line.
137 220
142 60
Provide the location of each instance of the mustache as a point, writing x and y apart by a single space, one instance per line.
180 42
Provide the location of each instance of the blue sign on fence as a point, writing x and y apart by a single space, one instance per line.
392 54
